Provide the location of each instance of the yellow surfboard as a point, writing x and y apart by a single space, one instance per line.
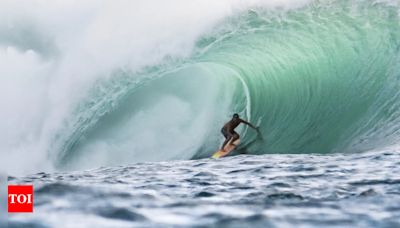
228 148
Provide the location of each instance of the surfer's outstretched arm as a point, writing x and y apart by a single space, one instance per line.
245 122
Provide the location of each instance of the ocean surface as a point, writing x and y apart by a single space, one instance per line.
359 190
113 108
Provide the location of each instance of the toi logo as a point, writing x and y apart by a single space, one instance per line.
20 198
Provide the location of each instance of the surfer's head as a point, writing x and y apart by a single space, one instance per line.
235 115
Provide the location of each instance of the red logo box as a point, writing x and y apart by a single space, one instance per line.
20 198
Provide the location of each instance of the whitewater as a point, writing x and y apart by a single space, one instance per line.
104 98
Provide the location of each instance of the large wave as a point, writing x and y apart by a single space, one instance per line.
111 85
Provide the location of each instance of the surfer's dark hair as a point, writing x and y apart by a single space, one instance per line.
235 115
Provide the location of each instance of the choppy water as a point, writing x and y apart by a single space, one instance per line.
359 190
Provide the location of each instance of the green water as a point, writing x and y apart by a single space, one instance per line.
320 79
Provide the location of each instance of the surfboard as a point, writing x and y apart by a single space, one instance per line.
228 148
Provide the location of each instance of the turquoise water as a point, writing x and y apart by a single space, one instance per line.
320 79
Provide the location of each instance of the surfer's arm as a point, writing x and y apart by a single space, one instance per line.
245 122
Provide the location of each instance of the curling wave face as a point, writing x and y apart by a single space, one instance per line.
321 78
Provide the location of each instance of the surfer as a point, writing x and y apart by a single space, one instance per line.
228 130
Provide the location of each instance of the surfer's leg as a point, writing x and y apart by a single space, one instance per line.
235 137
226 142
